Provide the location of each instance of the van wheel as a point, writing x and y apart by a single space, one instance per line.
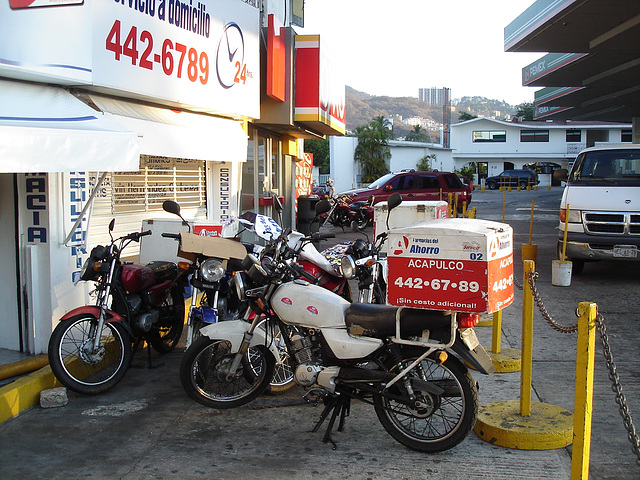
523 185
492 185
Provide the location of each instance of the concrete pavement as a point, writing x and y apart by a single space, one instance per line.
147 427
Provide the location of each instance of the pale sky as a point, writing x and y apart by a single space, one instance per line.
396 47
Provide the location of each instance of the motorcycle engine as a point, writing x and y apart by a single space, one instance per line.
310 371
144 321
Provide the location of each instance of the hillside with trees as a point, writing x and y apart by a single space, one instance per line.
362 108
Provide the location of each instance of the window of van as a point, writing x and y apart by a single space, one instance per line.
608 167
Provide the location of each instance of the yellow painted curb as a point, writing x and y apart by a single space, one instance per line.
24 393
548 427
23 366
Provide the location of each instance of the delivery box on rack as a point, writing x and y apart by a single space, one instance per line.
457 264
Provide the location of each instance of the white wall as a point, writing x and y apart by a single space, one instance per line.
404 155
9 320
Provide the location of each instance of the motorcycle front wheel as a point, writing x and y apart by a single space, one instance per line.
77 366
205 376
166 333
440 422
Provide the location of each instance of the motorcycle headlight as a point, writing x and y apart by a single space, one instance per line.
90 269
347 267
211 270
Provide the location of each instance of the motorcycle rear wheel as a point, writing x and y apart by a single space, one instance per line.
203 372
80 370
444 420
166 334
362 220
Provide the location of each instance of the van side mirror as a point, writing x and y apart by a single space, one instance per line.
561 175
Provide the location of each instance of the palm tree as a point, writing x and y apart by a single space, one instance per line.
418 134
372 151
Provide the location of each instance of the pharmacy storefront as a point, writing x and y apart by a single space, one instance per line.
108 108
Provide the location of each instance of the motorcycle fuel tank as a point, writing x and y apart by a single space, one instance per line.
300 303
137 277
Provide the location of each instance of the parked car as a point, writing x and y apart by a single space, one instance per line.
414 186
513 178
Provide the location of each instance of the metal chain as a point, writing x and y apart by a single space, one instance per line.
533 276
616 387
517 282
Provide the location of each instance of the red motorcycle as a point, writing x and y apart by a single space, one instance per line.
91 348
339 212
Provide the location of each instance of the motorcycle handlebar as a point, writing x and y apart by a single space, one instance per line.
299 269
171 235
136 236
321 236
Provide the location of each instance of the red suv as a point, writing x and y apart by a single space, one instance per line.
415 186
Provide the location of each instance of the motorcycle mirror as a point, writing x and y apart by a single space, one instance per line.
112 224
394 200
171 207
322 206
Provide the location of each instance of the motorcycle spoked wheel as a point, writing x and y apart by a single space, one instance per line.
283 379
165 335
203 372
444 421
78 369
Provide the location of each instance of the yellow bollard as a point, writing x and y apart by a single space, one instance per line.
504 201
527 342
504 359
583 406
523 424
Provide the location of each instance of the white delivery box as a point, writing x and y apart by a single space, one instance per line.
456 264
406 213
157 247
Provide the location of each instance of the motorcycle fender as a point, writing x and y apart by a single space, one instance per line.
94 311
234 330
478 357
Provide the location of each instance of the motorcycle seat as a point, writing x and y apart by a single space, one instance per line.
379 321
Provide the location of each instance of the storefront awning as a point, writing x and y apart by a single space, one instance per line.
46 129
172 133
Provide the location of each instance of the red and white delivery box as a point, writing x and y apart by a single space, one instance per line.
457 264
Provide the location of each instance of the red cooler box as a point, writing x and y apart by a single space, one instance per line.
457 264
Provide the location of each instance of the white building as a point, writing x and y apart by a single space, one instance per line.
497 144
346 172
504 145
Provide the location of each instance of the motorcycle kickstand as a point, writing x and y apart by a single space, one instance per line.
337 405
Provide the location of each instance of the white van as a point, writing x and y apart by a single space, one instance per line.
603 195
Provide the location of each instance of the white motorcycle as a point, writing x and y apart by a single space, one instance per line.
407 363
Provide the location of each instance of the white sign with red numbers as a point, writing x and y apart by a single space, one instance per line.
462 265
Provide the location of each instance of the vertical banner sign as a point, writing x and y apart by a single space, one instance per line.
304 170
34 203
225 196
203 54
76 192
